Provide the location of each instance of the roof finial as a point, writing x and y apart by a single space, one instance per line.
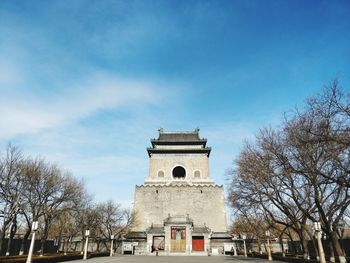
161 130
196 130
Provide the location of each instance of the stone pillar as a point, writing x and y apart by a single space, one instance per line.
188 240
149 244
167 239
206 243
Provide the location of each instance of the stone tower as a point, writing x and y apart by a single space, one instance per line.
179 208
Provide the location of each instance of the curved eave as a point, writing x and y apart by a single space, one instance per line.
174 151
196 142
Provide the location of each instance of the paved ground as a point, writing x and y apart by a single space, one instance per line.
170 259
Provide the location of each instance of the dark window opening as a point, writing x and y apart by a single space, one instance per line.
179 172
158 243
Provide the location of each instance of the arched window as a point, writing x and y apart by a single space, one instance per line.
179 172
160 174
197 174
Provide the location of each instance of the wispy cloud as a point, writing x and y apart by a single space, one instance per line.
28 113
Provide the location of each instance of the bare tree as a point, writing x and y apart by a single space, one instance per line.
10 192
252 225
259 186
68 223
48 192
32 189
114 219
65 192
300 173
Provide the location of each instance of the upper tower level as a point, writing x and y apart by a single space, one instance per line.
179 158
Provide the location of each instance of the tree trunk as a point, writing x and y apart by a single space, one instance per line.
44 237
2 239
23 248
259 244
305 248
82 246
282 247
331 250
265 246
59 241
315 246
304 244
292 242
98 245
337 247
106 244
65 246
69 243
13 231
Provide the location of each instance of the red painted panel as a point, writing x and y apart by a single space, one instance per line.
198 243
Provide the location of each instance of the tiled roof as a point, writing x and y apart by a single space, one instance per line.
200 229
155 230
179 136
220 235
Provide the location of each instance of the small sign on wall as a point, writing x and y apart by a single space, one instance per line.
127 246
215 251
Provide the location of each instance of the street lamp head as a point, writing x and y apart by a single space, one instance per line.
317 226
244 236
267 233
112 236
35 225
87 233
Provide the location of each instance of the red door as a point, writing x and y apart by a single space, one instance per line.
198 243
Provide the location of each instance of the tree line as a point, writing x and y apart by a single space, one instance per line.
298 173
33 189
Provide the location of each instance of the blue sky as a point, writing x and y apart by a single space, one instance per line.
86 84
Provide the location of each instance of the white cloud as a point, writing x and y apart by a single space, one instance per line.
110 167
109 154
29 113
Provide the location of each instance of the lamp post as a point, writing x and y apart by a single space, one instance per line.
244 246
269 256
112 238
31 248
87 234
317 228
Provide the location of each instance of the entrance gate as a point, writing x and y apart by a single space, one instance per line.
198 243
178 239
